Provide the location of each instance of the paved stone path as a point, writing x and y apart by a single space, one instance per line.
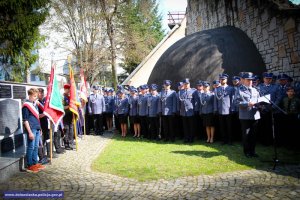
71 173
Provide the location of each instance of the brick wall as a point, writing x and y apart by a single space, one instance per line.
275 33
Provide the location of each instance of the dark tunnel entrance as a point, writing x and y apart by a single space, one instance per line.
205 54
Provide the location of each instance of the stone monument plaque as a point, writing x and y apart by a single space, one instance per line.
19 92
10 122
5 91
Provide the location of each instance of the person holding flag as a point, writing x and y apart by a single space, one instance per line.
72 106
68 119
83 98
53 108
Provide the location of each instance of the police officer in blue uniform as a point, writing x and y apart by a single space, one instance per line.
167 108
177 119
236 128
116 99
122 110
153 101
207 111
247 99
265 123
223 103
143 110
109 108
104 93
68 119
256 81
198 122
133 112
186 110
96 107
216 84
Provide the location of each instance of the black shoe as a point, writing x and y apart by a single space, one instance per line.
69 148
59 151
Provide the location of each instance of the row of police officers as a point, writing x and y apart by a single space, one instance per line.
233 110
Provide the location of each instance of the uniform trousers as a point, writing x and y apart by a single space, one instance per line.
249 130
168 127
144 126
153 127
69 134
236 127
98 123
225 128
198 125
188 129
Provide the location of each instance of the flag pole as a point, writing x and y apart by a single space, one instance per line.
51 142
75 131
84 125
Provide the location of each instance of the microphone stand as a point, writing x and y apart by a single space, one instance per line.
275 159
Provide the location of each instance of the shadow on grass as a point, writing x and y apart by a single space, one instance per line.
203 154
290 165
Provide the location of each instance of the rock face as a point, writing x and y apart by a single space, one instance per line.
205 54
274 30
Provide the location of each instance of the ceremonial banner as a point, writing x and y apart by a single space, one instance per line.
83 88
53 107
73 94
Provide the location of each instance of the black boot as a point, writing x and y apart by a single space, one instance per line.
59 140
58 149
48 151
41 153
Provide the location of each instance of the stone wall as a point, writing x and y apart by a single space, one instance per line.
275 33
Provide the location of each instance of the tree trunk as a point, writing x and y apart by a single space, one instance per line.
111 36
27 75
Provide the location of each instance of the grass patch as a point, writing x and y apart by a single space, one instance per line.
147 160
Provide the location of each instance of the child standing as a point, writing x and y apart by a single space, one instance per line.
32 127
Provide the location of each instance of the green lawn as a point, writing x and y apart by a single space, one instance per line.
146 160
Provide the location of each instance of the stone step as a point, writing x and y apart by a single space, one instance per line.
11 163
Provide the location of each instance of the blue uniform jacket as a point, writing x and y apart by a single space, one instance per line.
122 106
244 96
109 104
196 97
133 106
206 103
168 102
96 104
235 107
186 102
223 100
281 93
152 103
143 105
